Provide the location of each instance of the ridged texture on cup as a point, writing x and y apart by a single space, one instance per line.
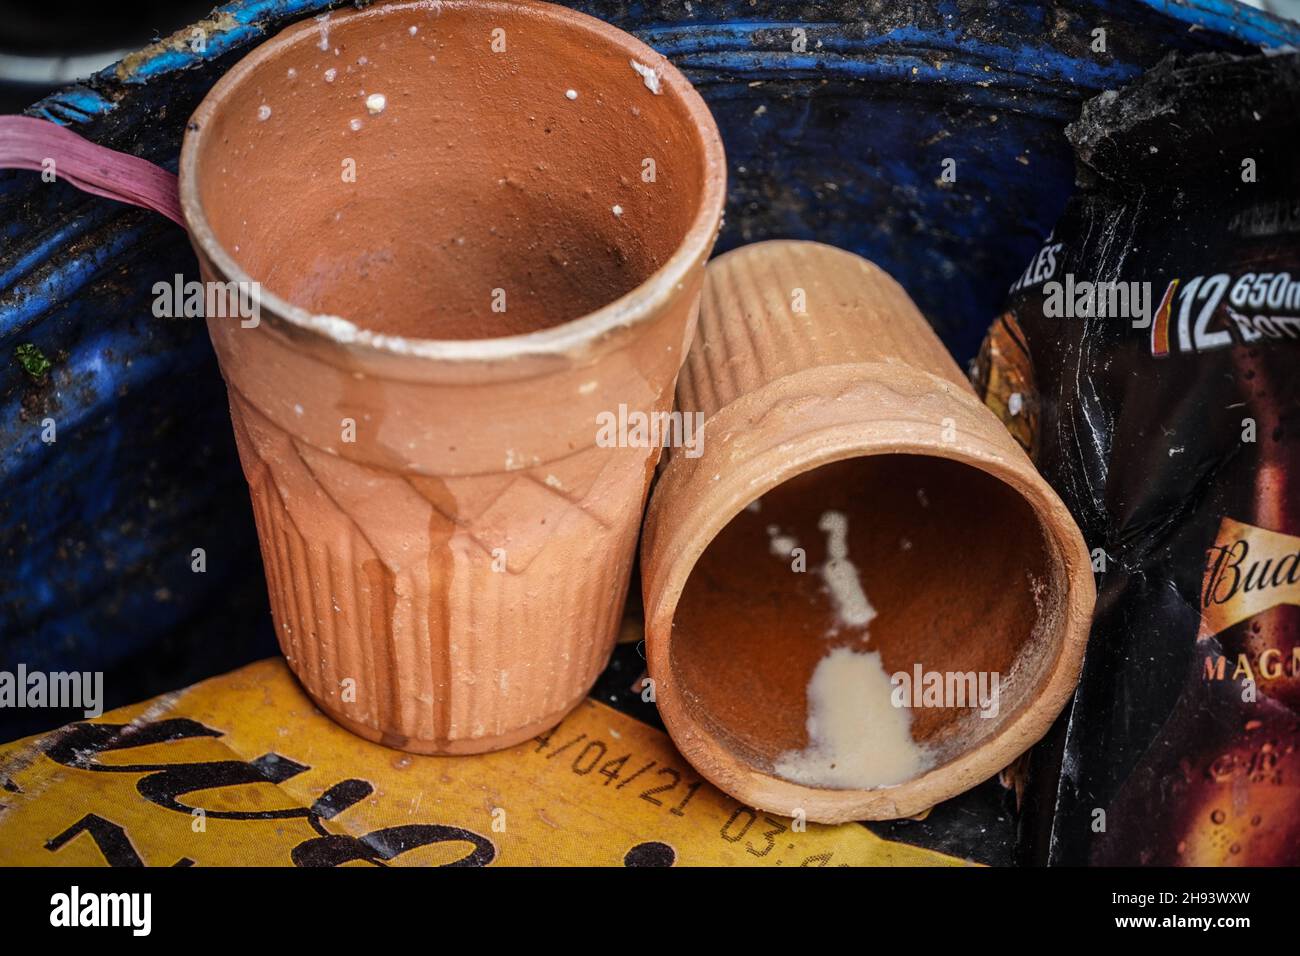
441 653
751 333
806 356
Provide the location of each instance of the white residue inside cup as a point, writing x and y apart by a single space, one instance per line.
324 21
841 575
781 545
650 76
857 738
375 103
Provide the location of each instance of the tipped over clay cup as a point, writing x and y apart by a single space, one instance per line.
476 228
855 513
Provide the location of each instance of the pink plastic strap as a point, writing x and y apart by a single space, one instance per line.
27 143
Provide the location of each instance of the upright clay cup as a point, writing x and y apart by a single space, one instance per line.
476 226
843 448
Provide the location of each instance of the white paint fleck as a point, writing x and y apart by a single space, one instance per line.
330 74
413 31
1015 404
650 75
571 94
354 124
375 103
292 73
264 112
618 210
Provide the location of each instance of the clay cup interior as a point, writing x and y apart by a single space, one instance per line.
397 165
959 572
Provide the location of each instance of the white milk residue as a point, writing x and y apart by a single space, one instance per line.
650 76
781 545
857 738
841 575
324 21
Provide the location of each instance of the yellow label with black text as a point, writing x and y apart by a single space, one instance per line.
243 770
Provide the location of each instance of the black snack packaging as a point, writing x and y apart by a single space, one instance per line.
1147 361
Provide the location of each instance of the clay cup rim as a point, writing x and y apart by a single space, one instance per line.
701 508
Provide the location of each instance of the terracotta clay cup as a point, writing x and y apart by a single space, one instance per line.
476 226
825 390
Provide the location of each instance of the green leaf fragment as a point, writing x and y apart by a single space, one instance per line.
33 360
